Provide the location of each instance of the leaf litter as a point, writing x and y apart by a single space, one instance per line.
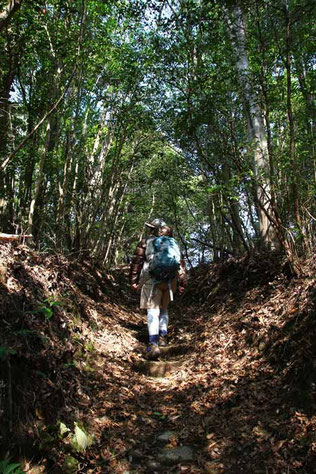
243 399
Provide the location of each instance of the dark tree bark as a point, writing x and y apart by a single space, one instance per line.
9 10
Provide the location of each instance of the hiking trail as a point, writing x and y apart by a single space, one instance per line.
233 392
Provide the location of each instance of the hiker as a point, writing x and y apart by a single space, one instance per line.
155 294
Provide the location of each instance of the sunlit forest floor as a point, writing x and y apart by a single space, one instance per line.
241 398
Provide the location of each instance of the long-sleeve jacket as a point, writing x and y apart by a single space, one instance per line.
137 263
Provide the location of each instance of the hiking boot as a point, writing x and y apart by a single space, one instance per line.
153 352
163 341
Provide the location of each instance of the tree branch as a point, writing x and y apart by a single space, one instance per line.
37 126
230 252
8 11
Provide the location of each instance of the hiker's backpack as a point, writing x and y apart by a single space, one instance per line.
165 263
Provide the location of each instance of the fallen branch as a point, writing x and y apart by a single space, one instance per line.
12 237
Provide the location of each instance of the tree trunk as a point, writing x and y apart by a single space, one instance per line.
11 7
238 240
121 194
64 193
10 57
39 180
256 130
292 153
95 172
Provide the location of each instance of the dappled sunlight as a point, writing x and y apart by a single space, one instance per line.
232 392
141 142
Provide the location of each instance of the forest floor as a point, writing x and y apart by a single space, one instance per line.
240 400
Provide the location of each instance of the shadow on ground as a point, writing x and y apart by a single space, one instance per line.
243 400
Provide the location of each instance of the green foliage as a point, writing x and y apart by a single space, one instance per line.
63 430
80 439
90 347
153 122
7 467
46 308
159 415
5 351
70 465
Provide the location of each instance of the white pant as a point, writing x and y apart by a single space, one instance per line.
157 320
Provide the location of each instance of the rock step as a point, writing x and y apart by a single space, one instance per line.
163 366
157 368
173 350
182 454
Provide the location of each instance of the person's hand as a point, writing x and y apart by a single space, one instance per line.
134 286
181 290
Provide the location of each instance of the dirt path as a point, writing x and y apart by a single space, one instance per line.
227 408
139 410
241 397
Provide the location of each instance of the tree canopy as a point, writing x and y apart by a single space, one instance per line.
201 112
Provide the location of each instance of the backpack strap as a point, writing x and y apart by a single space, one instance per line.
154 282
170 290
151 290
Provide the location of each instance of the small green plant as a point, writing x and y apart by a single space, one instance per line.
7 467
76 339
5 351
159 415
63 430
90 347
69 364
70 465
76 319
79 439
46 308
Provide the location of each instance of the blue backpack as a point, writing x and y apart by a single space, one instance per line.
165 264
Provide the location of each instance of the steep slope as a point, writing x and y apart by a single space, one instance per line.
241 398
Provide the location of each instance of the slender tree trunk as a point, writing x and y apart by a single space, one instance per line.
121 194
310 162
63 191
182 240
211 211
49 145
290 114
292 152
266 106
118 240
238 241
11 59
96 170
107 214
39 180
308 96
256 130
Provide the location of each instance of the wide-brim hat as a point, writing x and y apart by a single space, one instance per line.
155 223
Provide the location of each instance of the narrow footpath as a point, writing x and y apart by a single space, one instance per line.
234 391
219 400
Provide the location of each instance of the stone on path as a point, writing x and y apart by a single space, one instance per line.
170 456
173 350
153 465
170 359
166 436
157 368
